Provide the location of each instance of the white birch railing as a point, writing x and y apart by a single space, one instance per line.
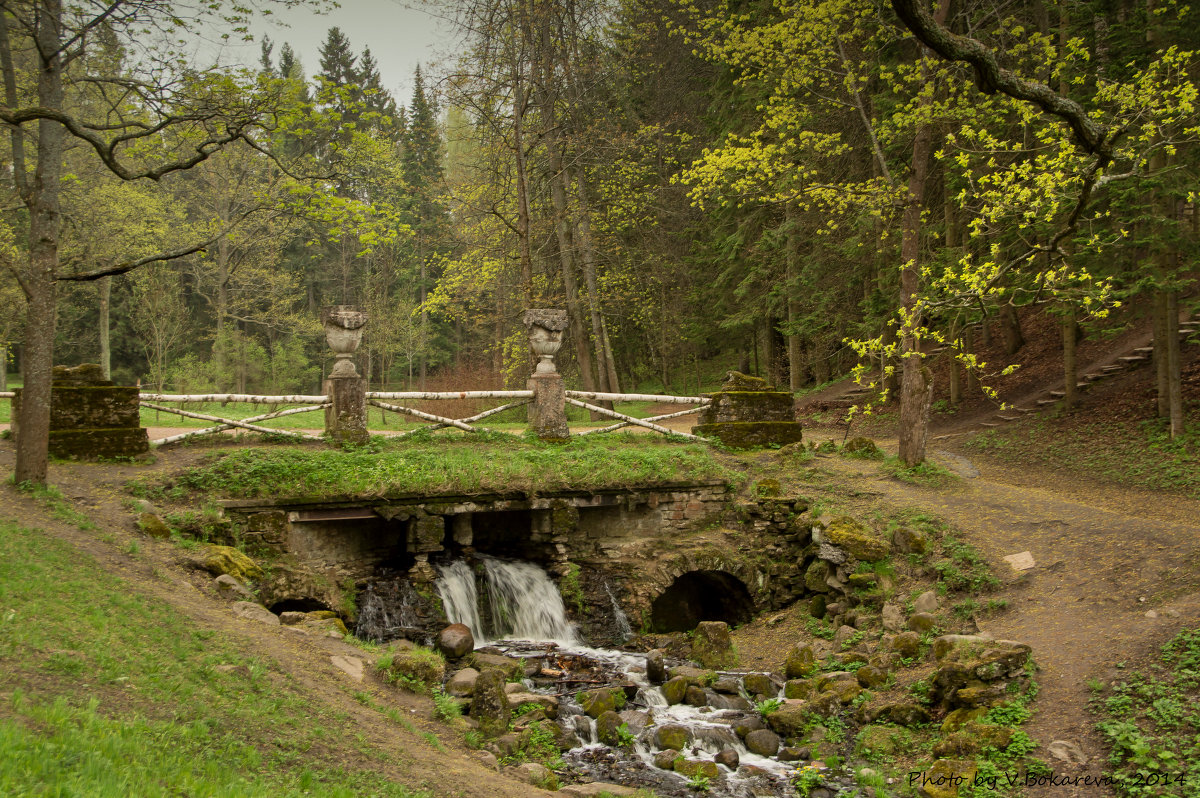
148 400
574 397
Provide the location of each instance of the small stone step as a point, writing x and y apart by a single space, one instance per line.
1144 350
1082 384
1008 418
1132 359
1058 394
1044 402
988 424
1111 369
1094 377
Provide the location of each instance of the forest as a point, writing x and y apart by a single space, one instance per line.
800 188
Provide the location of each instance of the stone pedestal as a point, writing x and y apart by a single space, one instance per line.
548 411
90 416
747 413
346 417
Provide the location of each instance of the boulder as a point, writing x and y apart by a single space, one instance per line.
763 742
672 735
547 703
606 699
462 683
901 713
727 686
757 684
862 447
746 724
456 641
944 777
856 540
907 644
421 666
799 688
675 690
871 676
153 526
712 646
230 588
351 666
926 602
606 728
801 661
219 560
791 718
656 669
908 541
691 768
534 773
665 759
842 636
695 696
489 703
327 627
255 612
921 622
513 669
893 617
729 758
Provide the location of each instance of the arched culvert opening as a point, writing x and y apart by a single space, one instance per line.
298 605
701 596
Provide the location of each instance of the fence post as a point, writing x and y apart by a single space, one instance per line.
548 412
346 416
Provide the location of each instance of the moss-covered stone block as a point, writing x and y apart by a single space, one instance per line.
414 666
606 699
856 539
219 560
751 434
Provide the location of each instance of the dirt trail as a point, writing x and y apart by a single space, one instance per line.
1104 557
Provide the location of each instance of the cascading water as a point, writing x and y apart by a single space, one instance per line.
524 603
389 608
624 630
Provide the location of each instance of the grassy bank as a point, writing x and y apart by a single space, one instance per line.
445 464
106 692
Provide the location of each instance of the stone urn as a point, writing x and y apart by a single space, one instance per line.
343 332
545 336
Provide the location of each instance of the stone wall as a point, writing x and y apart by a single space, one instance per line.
90 417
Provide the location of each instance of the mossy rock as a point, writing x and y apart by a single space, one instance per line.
878 741
712 646
815 576
675 690
901 713
421 665
944 777
153 526
672 736
737 381
799 688
801 662
607 728
858 542
862 447
219 560
512 668
691 768
606 699
871 676
760 684
767 488
958 718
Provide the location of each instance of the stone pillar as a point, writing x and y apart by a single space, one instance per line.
548 412
346 417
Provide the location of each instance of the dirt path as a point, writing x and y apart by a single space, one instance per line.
1105 557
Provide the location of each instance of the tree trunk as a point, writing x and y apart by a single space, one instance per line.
1070 363
1174 371
522 181
795 343
105 288
3 367
969 348
605 364
1162 368
42 200
1013 338
956 346
916 381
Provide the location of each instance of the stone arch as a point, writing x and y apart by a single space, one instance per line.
701 595
299 604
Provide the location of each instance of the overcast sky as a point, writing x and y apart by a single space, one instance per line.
400 37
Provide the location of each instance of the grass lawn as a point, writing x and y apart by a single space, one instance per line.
445 463
107 692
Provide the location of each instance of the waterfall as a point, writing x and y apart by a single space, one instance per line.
389 608
524 602
624 630
460 600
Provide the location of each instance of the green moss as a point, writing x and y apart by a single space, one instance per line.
852 536
752 434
